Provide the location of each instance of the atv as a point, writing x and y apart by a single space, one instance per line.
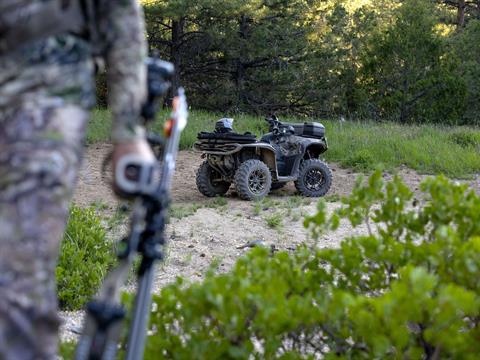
289 152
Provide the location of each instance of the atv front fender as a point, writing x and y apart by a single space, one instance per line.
266 153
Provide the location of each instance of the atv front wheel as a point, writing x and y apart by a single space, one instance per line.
209 181
253 180
314 178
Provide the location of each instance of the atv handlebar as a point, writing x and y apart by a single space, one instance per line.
276 126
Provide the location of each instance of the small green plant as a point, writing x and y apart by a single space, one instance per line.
294 202
257 208
85 257
217 202
332 198
181 211
295 216
274 220
100 205
120 216
265 204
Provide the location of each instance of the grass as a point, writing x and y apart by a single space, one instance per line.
429 149
363 146
274 221
181 211
332 198
265 204
216 202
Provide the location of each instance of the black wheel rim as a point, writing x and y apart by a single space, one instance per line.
314 179
257 181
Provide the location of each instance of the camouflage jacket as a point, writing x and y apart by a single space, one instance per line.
61 67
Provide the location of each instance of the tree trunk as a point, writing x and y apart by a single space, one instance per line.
178 28
461 13
239 63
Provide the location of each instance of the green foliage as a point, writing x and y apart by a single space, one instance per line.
408 288
217 202
295 201
465 138
274 220
99 127
466 47
405 72
181 211
67 350
370 59
85 257
382 59
332 198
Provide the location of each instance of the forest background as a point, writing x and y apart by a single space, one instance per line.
411 61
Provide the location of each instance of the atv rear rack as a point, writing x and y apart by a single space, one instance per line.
216 148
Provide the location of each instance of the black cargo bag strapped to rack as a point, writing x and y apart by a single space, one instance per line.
213 137
309 129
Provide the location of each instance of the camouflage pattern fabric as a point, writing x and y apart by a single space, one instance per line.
46 90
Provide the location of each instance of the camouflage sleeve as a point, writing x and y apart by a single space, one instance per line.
124 55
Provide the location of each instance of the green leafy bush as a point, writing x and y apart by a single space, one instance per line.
465 138
85 257
407 289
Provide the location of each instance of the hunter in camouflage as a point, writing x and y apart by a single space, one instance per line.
46 91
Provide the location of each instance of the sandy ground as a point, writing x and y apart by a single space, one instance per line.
216 232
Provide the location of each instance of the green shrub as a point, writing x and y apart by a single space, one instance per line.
465 138
407 289
85 257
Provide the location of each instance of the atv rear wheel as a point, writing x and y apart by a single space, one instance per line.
209 181
253 180
314 178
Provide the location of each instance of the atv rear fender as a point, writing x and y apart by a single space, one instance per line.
315 149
